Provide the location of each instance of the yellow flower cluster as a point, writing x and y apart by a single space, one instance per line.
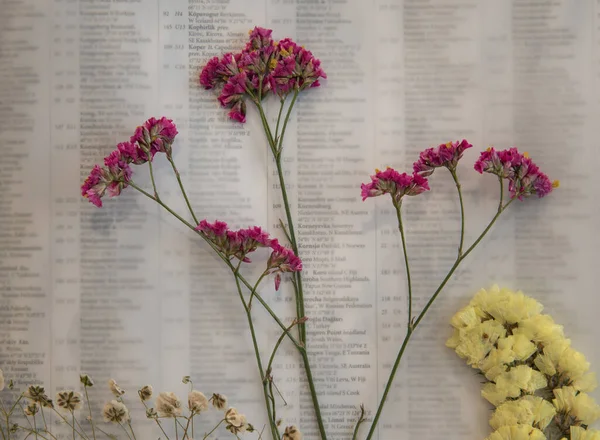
536 381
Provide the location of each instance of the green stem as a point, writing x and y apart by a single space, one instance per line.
73 415
131 429
213 430
152 175
462 211
125 430
285 122
398 206
187 201
274 429
87 398
282 103
253 291
361 419
421 315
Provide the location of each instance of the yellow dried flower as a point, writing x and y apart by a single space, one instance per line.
517 432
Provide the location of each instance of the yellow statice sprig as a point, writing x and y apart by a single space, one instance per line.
535 379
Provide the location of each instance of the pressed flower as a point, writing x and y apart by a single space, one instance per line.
110 179
579 433
295 68
86 380
145 392
523 175
155 135
579 405
69 400
236 422
282 260
168 405
517 432
292 433
445 155
115 388
37 393
115 412
197 402
395 184
32 409
219 401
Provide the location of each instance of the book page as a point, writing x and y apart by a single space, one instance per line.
129 292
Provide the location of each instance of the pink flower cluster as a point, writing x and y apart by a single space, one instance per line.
397 185
155 135
238 244
263 66
523 175
444 155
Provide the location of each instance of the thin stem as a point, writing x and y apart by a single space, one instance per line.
462 211
152 175
67 422
285 122
187 201
274 429
44 418
187 425
282 101
83 434
32 431
125 429
253 291
87 398
176 430
131 429
213 430
34 425
410 332
501 194
398 206
360 420
156 420
73 415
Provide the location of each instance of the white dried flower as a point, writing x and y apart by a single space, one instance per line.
168 405
115 412
292 433
197 402
69 400
32 409
146 392
115 389
86 380
219 401
236 422
1 380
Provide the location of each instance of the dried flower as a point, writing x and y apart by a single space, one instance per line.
37 393
146 392
238 243
445 155
32 409
197 402
168 405
115 412
1 380
155 135
219 401
86 380
151 413
69 400
114 388
186 379
282 260
292 433
395 184
295 68
111 179
236 422
523 175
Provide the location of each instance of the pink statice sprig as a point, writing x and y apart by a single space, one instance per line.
445 155
396 184
524 176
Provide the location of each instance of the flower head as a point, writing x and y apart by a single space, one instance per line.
32 409
292 433
155 135
115 412
397 185
69 400
236 422
37 393
523 175
145 392
444 155
115 389
197 402
219 401
168 405
295 68
282 260
86 380
232 243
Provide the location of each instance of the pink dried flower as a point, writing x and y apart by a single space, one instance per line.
295 68
260 38
218 71
155 135
238 243
523 175
232 96
444 155
397 185
132 153
111 179
282 260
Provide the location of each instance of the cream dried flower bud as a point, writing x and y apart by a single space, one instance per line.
69 400
236 422
292 433
32 409
86 380
151 413
219 401
186 379
1 380
146 392
115 412
197 402
168 405
115 389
